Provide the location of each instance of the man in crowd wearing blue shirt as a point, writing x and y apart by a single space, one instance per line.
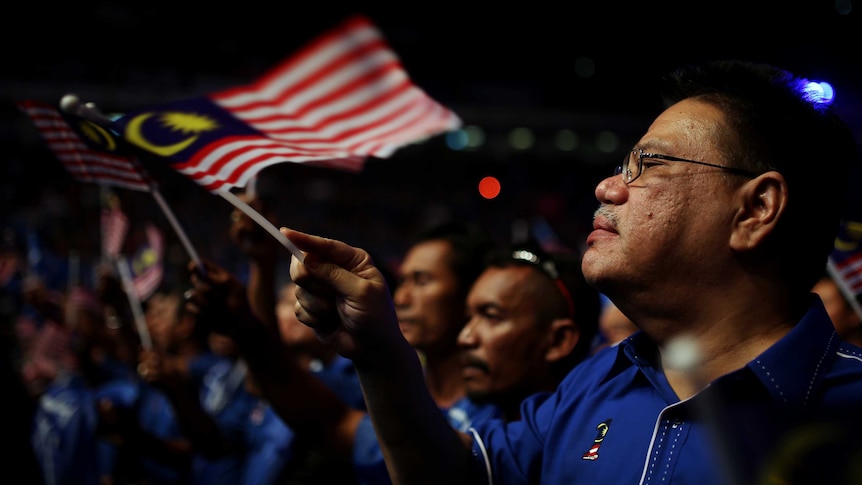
315 390
531 318
709 237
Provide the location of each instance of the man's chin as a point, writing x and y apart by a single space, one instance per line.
591 268
407 329
479 396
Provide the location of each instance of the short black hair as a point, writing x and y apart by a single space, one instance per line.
471 248
575 298
776 123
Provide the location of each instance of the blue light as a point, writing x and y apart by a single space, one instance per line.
819 92
457 140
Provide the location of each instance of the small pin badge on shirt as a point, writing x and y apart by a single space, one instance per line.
593 452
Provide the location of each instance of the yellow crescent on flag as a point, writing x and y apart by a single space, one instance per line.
854 230
134 135
98 135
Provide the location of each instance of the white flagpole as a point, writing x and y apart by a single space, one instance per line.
257 217
179 230
135 302
71 104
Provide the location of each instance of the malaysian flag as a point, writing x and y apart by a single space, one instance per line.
340 99
89 152
845 262
115 226
147 267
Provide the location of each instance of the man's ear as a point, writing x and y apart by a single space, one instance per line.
763 202
563 335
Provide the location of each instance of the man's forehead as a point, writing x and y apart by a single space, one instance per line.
432 248
688 125
427 254
504 277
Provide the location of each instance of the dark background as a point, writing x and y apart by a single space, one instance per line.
584 66
509 53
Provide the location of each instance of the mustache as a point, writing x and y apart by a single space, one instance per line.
607 213
470 361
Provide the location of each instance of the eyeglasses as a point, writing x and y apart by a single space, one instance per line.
631 169
550 269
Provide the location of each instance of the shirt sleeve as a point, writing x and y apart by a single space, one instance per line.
511 453
368 462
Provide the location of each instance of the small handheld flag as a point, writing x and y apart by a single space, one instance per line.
845 263
88 151
127 279
81 138
342 98
147 264
114 225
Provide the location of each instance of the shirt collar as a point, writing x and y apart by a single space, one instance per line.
793 368
790 370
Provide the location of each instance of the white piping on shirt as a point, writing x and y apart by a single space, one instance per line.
654 435
487 460
848 356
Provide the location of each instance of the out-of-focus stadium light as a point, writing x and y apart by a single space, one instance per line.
456 140
607 142
470 136
521 138
566 140
820 92
475 136
489 187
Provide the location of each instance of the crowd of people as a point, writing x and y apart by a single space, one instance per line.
695 338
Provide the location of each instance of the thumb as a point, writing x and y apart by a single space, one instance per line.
324 249
330 263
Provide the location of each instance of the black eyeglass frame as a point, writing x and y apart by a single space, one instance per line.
626 172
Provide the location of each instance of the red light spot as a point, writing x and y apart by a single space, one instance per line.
489 187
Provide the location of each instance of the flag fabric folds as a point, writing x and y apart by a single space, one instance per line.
339 100
89 152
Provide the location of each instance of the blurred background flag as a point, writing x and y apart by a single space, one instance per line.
147 264
115 225
845 262
91 152
141 276
338 100
87 151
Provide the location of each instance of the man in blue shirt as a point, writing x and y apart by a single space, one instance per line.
531 319
306 383
709 237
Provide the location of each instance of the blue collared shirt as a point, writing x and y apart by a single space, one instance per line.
64 432
268 446
340 377
616 420
368 459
